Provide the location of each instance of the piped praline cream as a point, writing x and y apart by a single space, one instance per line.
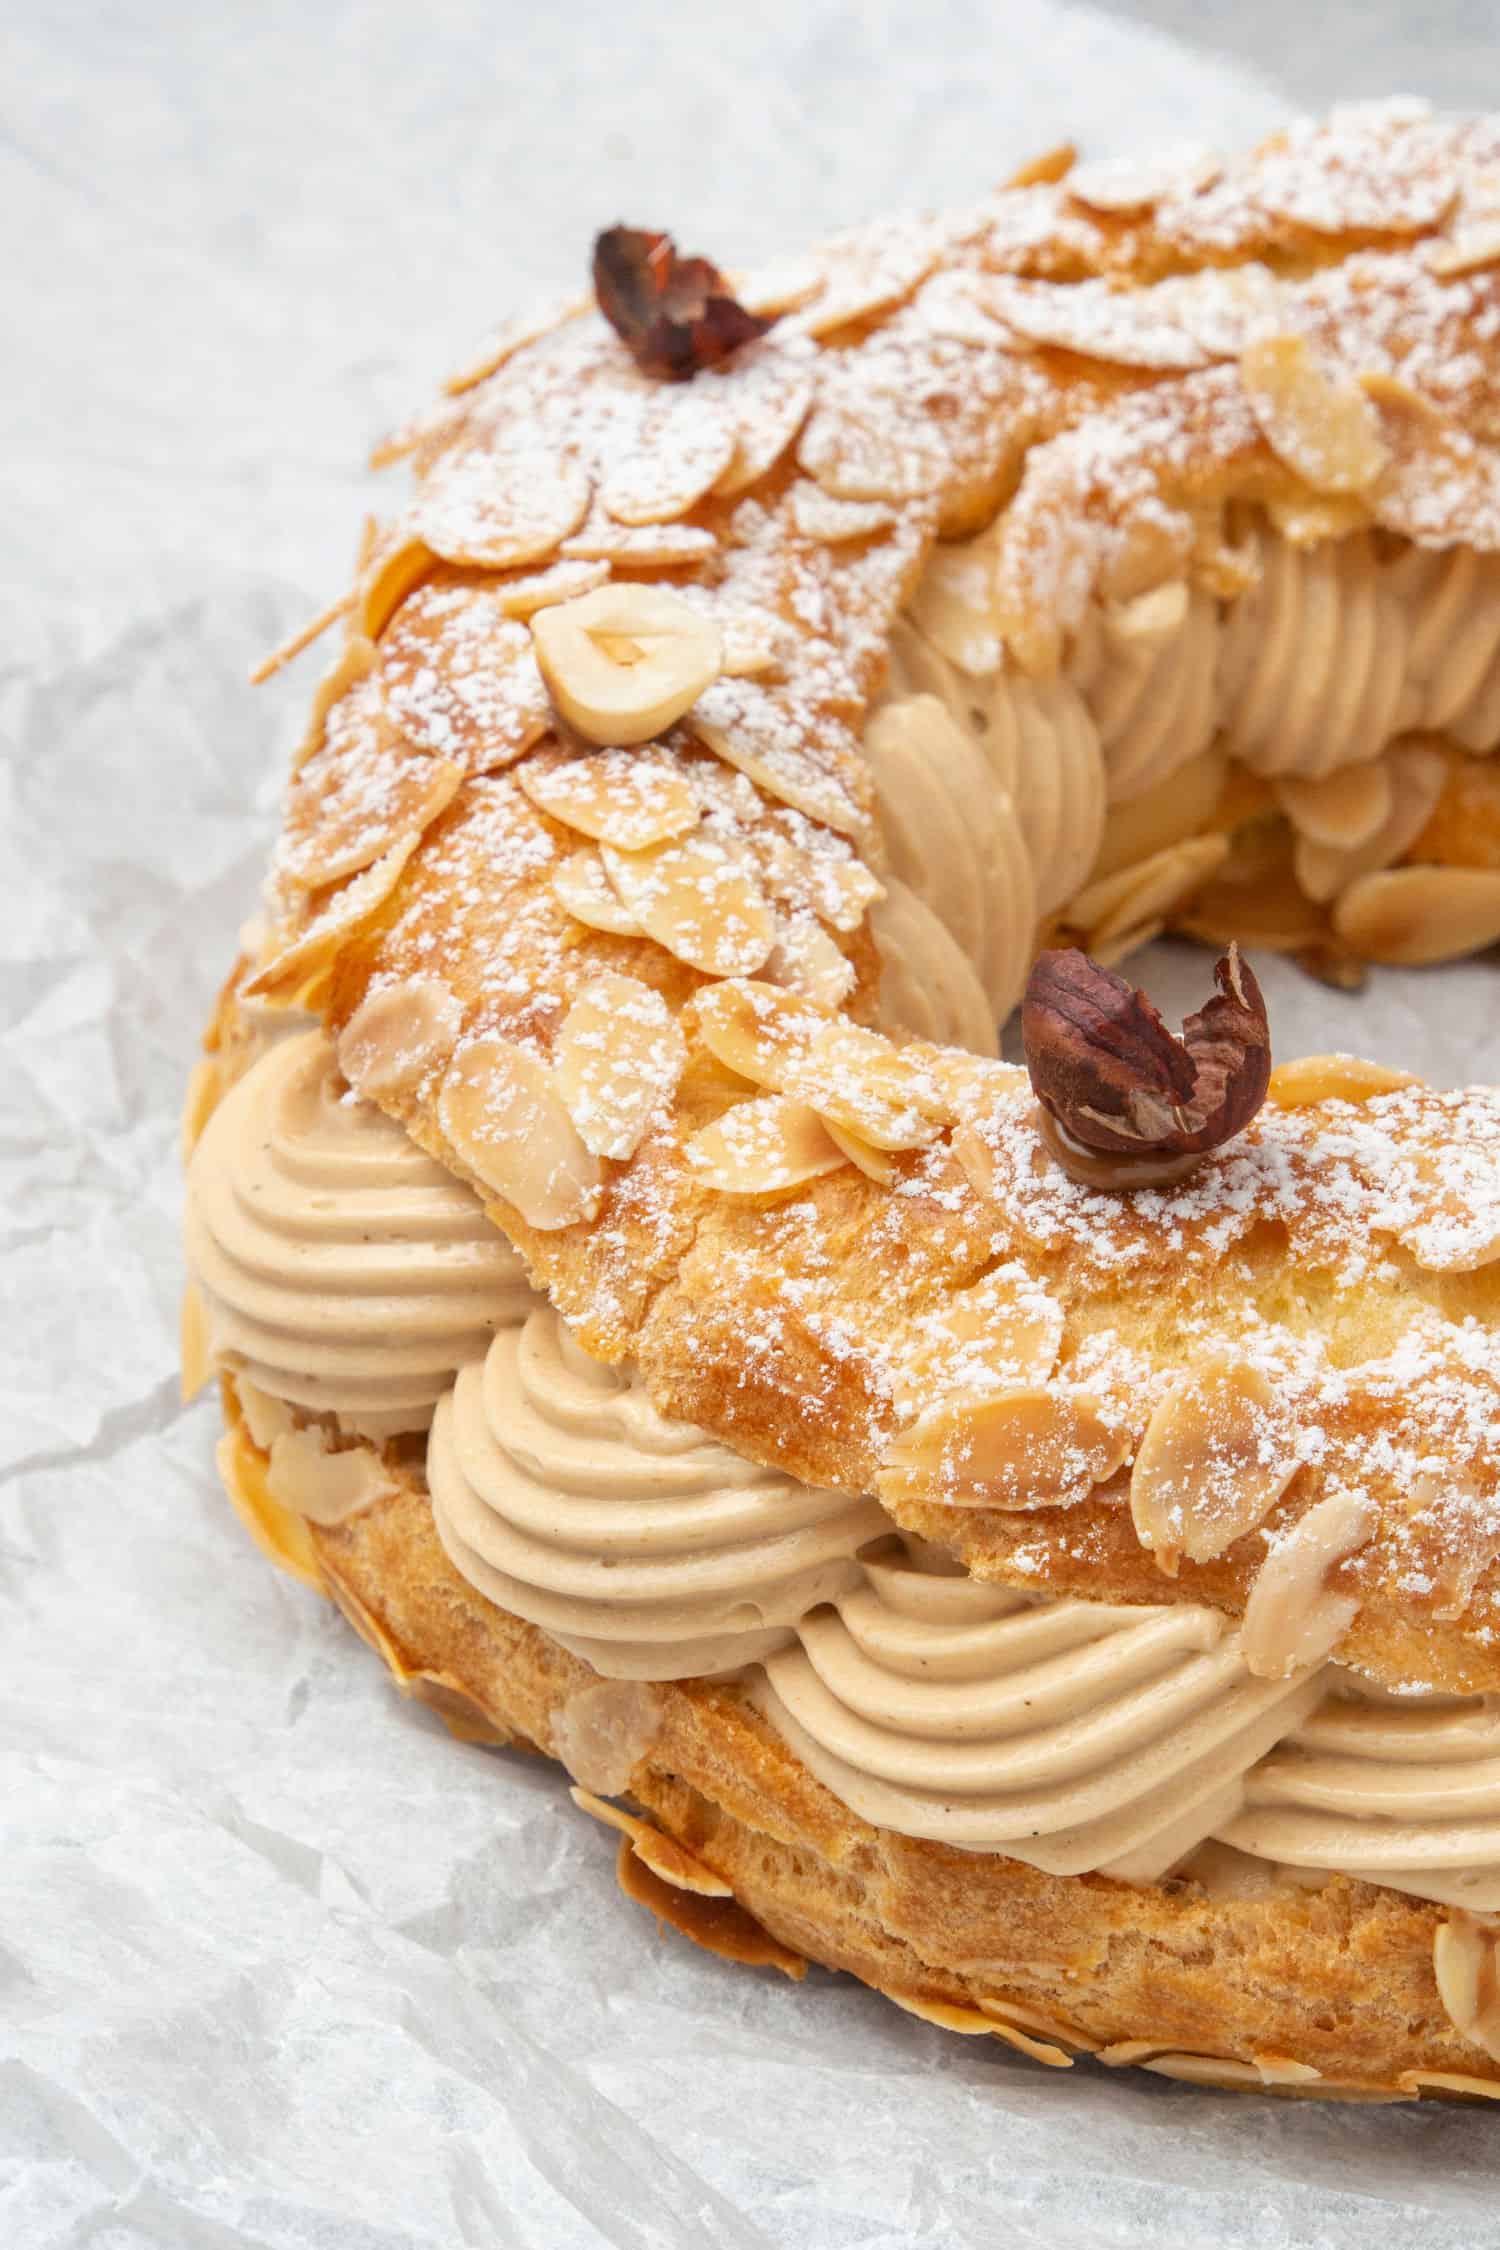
340 1269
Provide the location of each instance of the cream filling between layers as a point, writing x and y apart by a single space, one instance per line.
1077 1736
340 1269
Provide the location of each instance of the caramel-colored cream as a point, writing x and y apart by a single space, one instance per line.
339 1268
640 1543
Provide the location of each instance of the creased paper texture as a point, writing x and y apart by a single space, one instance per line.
282 1966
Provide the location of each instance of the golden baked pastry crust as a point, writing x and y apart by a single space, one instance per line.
1337 1980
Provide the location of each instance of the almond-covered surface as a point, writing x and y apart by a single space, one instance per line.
583 845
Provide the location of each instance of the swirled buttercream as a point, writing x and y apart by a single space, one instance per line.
340 1268
641 1544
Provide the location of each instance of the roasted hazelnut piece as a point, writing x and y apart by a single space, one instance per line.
675 314
1125 1104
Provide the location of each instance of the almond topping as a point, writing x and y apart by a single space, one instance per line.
757 1030
1213 1463
686 444
877 1164
539 589
501 505
700 900
1318 420
1466 1965
1134 183
1333 1078
624 663
590 897
619 1057
501 1110
1342 809
805 959
1413 915
1293 1617
397 1034
626 798
298 969
1040 1448
763 1147
662 1854
320 1485
1002 1332
1474 247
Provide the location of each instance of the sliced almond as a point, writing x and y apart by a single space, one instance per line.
771 389
1333 1078
859 1079
954 606
300 965
1033 1448
1293 1618
352 799
398 1034
1475 246
662 1854
538 589
618 1059
628 798
398 562
196 1348
651 546
1150 892
1466 1965
763 1147
700 900
805 959
1343 809
1439 485
822 876
1318 420
625 662
603 1731
322 1486
511 337
590 897
1412 915
831 522
1214 1461
870 275
501 505
1002 1332
877 1164
1454 1221
763 734
1416 774
686 443
1134 183
459 678
502 1112
757 1030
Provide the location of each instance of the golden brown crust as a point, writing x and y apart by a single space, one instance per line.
1337 1980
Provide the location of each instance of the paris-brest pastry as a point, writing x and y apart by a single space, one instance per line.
1027 1537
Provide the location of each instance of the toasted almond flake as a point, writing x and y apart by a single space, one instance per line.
1036 2020
603 1731
757 1030
752 642
1454 1222
1450 1539
398 1034
780 288
1466 1966
858 457
871 277
511 337
1002 1333
1134 183
763 1147
294 973
954 606
1293 1618
699 899
356 796
397 564
652 546
1416 773
303 638
354 663
627 661
1333 1078
502 1112
766 736
1184 322
1341 810
619 1056
876 1163
768 392
686 443
628 798
1439 487
805 959
719 1925
1413 915
975 2023
538 589
823 878
1315 417
860 1080
662 1854
1115 907
1046 170
322 1486
1027 1448
1450 2082
458 677
501 505
589 896
283 1537
1214 1461
832 522
423 435
1475 246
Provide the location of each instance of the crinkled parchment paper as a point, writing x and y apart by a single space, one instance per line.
281 1964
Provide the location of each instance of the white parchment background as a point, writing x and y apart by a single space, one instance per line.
281 1965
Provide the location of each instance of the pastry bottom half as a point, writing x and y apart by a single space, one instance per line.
1327 1992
